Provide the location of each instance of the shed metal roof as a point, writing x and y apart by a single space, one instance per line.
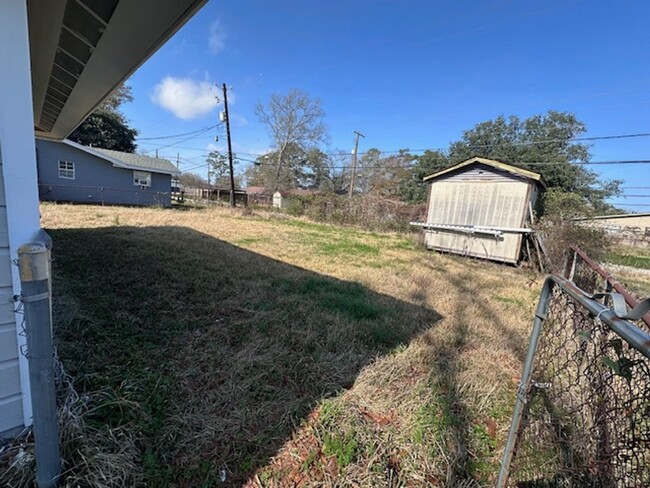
489 162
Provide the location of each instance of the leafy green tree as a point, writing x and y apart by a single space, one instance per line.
413 189
107 127
300 168
541 143
218 165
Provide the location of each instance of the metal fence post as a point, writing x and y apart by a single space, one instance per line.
34 265
524 384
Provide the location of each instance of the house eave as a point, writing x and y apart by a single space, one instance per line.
132 33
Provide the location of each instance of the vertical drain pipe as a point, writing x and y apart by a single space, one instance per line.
34 266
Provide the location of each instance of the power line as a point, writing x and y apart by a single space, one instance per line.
173 136
203 131
527 163
526 143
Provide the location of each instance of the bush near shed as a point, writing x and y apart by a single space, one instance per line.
366 211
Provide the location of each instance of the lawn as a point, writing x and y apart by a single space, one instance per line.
218 348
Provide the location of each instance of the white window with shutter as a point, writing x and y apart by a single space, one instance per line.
141 178
66 170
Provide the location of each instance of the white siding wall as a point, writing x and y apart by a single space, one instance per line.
11 405
479 196
20 194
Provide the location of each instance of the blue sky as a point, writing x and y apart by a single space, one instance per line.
408 74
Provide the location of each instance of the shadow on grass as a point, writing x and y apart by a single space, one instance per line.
224 351
471 445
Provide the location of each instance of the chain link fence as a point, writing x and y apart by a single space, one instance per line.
582 416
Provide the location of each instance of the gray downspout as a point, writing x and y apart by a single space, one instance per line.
34 266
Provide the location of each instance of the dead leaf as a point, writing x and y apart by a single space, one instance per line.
491 427
376 417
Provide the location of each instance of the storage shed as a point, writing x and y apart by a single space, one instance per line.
281 198
481 208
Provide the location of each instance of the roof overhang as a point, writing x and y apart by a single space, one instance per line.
81 50
494 164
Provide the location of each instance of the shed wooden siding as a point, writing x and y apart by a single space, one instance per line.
481 196
96 180
11 403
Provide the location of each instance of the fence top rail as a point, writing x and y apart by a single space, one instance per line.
633 335
620 289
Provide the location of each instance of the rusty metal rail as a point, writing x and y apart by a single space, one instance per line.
612 282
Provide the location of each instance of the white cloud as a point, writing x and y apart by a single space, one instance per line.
185 98
217 37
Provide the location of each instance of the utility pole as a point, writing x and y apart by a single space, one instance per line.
354 160
178 160
232 176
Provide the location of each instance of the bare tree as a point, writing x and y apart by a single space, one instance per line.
293 120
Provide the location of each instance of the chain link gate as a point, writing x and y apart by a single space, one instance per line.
582 416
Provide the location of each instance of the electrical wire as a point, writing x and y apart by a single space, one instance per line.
527 143
527 163
410 151
173 136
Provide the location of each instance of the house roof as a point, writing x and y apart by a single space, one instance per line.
494 164
128 160
256 190
298 192
82 50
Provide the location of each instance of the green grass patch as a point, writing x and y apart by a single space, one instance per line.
348 299
347 248
343 448
320 228
635 261
403 244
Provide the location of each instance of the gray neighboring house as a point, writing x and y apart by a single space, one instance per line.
70 172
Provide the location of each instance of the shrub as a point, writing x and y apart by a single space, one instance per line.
367 211
560 230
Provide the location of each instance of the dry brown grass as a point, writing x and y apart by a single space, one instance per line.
277 352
